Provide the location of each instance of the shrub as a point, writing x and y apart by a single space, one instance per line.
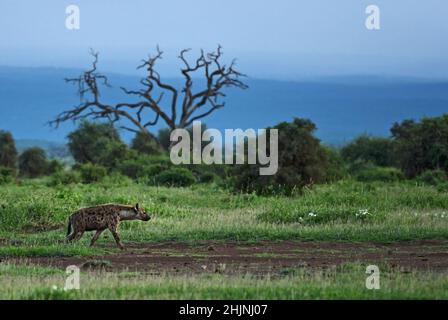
286 182
366 149
144 166
164 138
54 166
154 169
142 143
114 154
443 187
7 175
207 177
176 177
33 163
8 151
132 168
208 173
334 169
97 143
422 145
302 161
384 174
117 179
91 173
64 178
433 177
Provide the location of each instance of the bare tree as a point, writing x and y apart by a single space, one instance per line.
183 107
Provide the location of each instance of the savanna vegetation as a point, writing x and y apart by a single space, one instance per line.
372 190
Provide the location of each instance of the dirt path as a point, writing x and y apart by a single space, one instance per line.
260 258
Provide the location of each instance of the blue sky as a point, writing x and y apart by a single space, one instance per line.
272 39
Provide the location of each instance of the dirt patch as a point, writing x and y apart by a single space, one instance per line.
263 257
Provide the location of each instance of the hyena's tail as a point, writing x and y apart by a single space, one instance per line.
69 227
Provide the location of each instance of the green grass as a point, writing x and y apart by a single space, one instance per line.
49 251
24 282
395 212
33 220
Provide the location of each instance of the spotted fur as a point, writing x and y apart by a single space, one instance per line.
102 217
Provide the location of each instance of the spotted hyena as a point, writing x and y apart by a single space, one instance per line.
102 217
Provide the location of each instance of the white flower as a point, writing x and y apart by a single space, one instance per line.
363 212
54 287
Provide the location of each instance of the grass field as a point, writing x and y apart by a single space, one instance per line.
33 219
26 282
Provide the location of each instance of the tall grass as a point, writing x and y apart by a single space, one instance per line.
354 201
35 214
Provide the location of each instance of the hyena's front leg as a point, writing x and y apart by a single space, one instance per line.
75 228
96 236
113 229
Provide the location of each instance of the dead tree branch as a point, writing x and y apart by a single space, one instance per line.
196 103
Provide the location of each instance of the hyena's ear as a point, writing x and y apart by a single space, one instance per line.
136 206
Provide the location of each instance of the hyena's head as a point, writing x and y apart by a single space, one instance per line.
141 214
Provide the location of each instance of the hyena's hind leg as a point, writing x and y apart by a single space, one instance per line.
70 237
78 235
74 232
75 236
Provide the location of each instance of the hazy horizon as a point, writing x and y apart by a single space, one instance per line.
318 43
285 39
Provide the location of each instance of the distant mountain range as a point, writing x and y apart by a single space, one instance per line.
341 107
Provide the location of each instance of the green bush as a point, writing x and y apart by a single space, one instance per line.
97 143
54 166
132 168
7 175
8 151
285 182
144 166
33 163
335 169
116 179
115 154
64 178
91 173
367 149
144 144
423 145
302 162
207 177
175 177
433 177
208 173
154 169
383 174
443 187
